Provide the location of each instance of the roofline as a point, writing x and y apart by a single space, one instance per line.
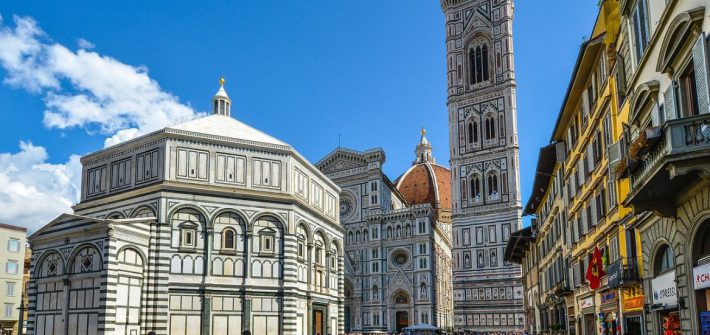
542 175
573 79
351 151
12 227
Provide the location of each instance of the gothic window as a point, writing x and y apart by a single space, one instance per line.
475 188
228 239
357 236
399 231
490 127
478 64
472 132
492 184
350 237
364 235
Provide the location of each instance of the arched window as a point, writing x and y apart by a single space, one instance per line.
407 230
422 290
501 125
478 64
357 236
492 184
389 232
350 237
472 132
228 239
665 260
364 235
475 188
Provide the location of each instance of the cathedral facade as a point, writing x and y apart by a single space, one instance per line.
397 241
484 164
206 227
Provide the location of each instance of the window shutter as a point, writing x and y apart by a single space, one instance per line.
701 74
654 116
614 155
669 103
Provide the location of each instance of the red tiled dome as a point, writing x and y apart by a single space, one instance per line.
426 183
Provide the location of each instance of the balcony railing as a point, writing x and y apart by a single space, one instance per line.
623 272
679 142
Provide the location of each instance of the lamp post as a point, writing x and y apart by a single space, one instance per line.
21 324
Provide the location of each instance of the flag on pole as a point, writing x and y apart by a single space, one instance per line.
595 271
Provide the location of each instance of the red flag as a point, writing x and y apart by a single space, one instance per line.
595 271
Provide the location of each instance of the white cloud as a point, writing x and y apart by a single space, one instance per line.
84 44
81 89
33 192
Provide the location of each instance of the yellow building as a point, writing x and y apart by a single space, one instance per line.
12 260
665 160
577 203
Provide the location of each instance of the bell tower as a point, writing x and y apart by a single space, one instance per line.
485 186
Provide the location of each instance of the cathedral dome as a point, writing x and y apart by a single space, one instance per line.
426 181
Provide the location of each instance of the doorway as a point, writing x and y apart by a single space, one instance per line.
318 322
633 325
402 320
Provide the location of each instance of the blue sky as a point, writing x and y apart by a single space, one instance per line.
302 71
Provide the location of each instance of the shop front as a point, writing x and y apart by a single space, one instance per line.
632 310
665 303
701 278
609 315
588 321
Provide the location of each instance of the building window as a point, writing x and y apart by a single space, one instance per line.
478 64
687 93
267 243
10 289
472 132
481 262
639 22
13 245
375 267
475 188
11 267
228 239
188 237
301 249
490 127
664 260
492 184
8 310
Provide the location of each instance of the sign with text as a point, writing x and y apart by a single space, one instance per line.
701 276
664 289
613 274
586 302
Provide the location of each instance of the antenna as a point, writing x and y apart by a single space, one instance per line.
338 140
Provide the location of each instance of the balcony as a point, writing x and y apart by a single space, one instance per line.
668 160
623 272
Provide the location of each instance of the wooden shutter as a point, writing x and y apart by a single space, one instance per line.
669 103
701 74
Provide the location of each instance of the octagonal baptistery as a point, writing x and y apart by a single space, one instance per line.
206 227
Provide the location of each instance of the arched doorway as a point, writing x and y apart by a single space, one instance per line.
401 302
701 273
664 296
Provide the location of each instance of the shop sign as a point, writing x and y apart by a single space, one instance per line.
586 303
701 276
608 296
613 274
633 304
664 290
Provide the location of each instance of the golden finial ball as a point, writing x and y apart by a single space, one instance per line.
221 80
423 131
